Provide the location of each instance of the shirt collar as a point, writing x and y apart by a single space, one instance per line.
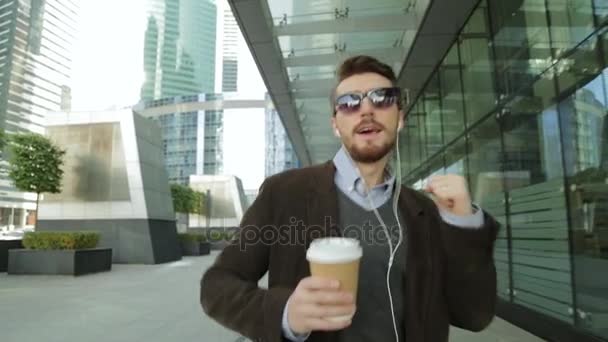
348 175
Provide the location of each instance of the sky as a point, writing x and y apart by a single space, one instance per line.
108 73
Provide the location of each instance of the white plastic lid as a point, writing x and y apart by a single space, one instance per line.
334 250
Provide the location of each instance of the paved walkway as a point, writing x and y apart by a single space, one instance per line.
136 303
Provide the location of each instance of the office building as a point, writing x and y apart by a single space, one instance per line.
36 44
228 40
179 48
115 183
192 131
280 155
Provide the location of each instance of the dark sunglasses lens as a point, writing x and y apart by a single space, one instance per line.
384 97
348 103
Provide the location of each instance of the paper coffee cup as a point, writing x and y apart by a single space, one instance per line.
336 258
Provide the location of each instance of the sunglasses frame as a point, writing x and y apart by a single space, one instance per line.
368 95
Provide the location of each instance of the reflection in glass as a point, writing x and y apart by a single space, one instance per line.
456 158
432 119
95 165
478 75
537 206
486 184
521 42
583 63
585 133
413 127
571 22
451 95
541 156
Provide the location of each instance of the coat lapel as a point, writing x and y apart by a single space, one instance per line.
322 208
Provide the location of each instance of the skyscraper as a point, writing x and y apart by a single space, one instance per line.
179 66
179 48
193 139
228 40
36 43
280 155
230 52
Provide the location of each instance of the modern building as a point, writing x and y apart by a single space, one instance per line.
510 94
36 44
179 48
114 183
251 195
192 131
228 40
280 155
226 201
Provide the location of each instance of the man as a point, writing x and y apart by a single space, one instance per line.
443 272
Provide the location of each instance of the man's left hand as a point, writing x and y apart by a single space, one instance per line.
450 194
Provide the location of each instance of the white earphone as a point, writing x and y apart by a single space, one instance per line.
396 193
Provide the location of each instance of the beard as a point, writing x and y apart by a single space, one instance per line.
370 153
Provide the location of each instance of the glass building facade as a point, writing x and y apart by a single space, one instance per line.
518 105
229 51
36 44
192 140
179 48
280 155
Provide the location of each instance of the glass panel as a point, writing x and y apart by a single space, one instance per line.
521 42
433 167
583 63
317 44
413 126
537 205
452 104
478 73
95 164
601 10
404 151
456 158
571 23
432 124
486 184
585 136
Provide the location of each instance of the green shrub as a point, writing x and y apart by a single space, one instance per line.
228 235
60 240
191 237
218 235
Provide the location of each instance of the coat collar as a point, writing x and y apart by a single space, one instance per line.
326 190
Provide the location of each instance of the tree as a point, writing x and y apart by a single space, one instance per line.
2 140
199 204
183 197
35 164
186 200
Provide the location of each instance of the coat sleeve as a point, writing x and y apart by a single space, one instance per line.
470 273
229 290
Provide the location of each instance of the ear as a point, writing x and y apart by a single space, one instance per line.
401 120
335 127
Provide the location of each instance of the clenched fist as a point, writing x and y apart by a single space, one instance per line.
450 194
316 299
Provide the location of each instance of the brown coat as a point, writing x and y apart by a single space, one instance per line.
450 275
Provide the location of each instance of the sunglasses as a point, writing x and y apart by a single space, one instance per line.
379 98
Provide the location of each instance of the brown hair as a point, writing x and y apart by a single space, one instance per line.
359 65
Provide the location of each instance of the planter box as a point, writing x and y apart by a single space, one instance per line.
195 248
219 245
5 245
68 262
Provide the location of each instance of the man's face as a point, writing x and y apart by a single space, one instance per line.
368 133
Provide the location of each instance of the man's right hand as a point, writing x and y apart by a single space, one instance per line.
315 299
